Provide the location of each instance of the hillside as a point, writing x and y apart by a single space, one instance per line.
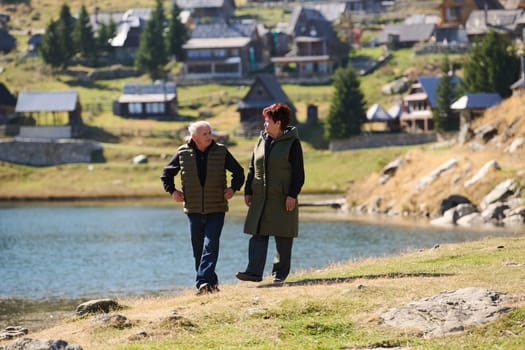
401 192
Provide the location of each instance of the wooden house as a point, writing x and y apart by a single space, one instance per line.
264 91
225 50
455 13
316 47
54 114
147 100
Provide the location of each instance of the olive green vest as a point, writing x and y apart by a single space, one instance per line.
210 198
267 214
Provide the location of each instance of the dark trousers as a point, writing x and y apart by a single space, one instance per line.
205 230
258 250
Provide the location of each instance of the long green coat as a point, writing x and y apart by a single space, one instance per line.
267 214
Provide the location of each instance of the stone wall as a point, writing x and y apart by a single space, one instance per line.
382 140
42 152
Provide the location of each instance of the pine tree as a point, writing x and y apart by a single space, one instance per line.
176 34
52 50
66 23
492 65
443 116
104 34
347 113
83 37
151 56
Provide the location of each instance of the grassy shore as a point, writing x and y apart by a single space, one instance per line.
335 308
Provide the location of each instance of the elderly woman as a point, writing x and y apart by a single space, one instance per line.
275 179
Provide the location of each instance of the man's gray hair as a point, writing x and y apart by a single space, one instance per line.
197 125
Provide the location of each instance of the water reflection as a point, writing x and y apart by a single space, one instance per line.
93 250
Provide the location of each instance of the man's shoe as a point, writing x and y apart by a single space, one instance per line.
243 276
205 288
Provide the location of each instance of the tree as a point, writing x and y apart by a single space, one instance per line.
66 24
492 65
176 34
347 114
443 116
104 34
151 55
83 37
52 50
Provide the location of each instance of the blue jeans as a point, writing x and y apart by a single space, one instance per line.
205 230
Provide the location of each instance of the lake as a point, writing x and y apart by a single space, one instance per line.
91 250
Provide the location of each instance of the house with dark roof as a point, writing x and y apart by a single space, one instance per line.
405 35
55 114
508 22
473 105
127 37
225 50
455 13
147 100
264 91
416 115
211 10
316 47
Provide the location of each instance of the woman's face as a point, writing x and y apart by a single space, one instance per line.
272 128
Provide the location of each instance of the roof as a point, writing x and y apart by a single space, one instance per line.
408 33
430 83
224 30
301 59
376 113
502 20
489 4
158 92
193 4
215 43
47 101
273 89
478 100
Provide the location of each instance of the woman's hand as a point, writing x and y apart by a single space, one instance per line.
248 199
290 203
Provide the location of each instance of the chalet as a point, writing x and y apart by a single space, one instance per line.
208 10
264 91
509 22
147 100
129 28
55 114
455 13
473 105
316 46
376 114
418 104
225 50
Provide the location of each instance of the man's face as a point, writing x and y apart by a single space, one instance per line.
202 137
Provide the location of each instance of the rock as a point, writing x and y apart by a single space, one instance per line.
434 175
140 159
452 201
96 306
11 332
448 312
501 192
492 164
112 320
40 344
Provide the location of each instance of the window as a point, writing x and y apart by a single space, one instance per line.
155 108
219 53
135 108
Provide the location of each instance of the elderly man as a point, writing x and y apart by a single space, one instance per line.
202 164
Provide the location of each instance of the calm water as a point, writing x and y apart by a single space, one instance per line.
100 251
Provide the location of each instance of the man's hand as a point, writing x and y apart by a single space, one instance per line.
228 193
177 196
